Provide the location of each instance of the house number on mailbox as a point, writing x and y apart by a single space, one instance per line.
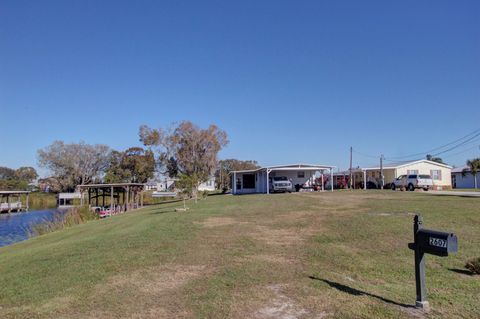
438 242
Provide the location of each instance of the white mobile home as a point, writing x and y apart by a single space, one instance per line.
169 185
258 180
208 185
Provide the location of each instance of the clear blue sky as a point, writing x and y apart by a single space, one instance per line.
290 81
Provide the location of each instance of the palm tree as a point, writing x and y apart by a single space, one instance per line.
474 168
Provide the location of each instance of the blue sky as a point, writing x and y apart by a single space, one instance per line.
290 81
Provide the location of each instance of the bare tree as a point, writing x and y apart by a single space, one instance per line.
76 163
186 150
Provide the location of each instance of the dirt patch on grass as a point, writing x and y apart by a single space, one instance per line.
271 258
155 280
271 236
149 293
280 306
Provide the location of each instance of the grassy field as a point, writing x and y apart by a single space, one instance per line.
329 255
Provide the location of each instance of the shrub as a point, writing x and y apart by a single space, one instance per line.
74 216
473 265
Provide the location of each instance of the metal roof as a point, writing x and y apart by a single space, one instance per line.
110 185
401 164
460 169
287 167
13 192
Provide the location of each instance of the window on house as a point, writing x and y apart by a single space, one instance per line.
436 174
300 174
248 181
412 172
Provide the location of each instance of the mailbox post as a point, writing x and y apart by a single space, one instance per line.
430 242
421 301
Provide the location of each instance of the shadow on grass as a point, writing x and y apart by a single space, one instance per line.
176 200
218 194
459 195
356 292
163 211
462 271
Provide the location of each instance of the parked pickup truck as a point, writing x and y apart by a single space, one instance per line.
413 181
281 184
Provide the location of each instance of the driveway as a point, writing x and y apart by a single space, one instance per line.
454 193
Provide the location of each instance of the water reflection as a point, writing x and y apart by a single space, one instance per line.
16 227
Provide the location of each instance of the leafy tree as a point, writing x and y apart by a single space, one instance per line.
186 150
74 164
434 159
27 174
172 167
222 177
19 179
6 173
134 165
474 168
115 172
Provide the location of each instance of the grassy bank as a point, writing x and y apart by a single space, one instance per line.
338 255
73 216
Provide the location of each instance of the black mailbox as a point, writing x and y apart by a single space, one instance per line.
433 242
436 242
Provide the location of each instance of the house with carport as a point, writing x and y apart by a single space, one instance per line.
371 176
307 176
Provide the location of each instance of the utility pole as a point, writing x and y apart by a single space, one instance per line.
382 181
350 177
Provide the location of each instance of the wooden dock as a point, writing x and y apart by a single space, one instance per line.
11 201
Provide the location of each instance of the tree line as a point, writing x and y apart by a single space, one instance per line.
17 179
184 151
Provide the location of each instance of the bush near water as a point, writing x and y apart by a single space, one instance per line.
74 216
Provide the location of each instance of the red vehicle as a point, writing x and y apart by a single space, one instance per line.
102 211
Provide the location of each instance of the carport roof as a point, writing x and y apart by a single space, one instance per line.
305 167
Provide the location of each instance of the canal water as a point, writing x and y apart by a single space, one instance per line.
16 227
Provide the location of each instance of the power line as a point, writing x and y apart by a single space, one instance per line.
477 132
456 146
466 142
462 141
464 151
365 155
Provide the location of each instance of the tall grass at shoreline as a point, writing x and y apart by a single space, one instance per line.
74 216
39 200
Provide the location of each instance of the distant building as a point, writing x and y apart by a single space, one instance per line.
151 185
169 185
208 185
462 177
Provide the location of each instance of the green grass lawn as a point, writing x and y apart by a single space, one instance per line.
327 255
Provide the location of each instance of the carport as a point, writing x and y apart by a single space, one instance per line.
257 180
